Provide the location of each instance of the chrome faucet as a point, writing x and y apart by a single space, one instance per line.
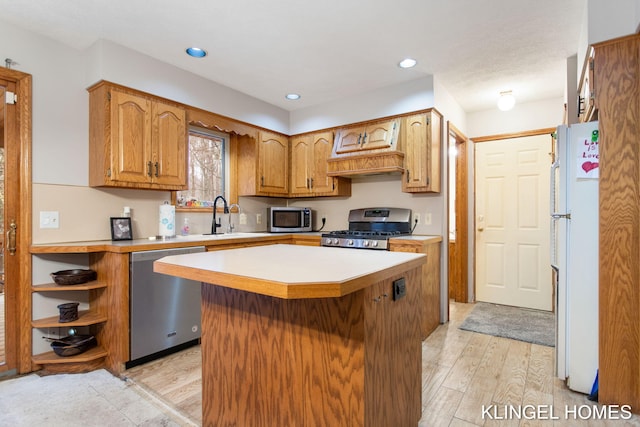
216 224
230 227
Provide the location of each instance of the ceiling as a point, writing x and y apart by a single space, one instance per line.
331 49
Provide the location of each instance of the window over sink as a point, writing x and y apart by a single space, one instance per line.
207 166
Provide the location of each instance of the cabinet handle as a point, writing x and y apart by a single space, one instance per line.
408 173
364 139
149 166
308 183
359 138
11 237
311 182
157 165
262 181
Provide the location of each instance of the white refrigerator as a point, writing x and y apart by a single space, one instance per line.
574 253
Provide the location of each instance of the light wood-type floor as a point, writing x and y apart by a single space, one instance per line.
462 371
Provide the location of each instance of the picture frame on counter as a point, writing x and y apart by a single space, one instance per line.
121 228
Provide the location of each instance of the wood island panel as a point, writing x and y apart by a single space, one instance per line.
353 360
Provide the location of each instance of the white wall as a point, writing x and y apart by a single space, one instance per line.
449 107
60 113
604 20
119 64
523 117
388 101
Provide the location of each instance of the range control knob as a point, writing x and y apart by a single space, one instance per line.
336 241
365 243
350 242
375 243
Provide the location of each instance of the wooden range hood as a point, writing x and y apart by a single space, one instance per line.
367 149
386 162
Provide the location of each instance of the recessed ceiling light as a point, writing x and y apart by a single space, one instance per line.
292 96
407 63
196 52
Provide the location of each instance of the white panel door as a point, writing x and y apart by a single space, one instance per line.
512 222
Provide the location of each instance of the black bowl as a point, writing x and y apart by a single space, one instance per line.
73 277
73 344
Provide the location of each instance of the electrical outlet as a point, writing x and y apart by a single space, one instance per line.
427 218
416 218
49 219
258 218
243 219
399 288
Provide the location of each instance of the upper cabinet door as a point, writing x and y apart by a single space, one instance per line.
274 163
301 157
421 141
380 135
169 132
130 138
320 182
348 140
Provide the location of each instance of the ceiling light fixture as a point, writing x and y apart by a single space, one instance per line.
196 52
506 101
407 63
292 96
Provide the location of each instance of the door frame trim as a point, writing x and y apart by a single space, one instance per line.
18 346
459 258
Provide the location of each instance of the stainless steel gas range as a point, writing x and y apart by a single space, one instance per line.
371 228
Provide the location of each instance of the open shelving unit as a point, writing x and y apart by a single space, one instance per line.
89 318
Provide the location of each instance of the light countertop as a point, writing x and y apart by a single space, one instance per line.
124 246
291 271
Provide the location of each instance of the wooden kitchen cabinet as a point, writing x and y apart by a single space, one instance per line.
136 140
421 141
430 290
263 165
381 135
309 155
617 98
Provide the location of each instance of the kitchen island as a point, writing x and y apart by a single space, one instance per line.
308 336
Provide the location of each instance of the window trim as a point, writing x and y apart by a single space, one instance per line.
194 129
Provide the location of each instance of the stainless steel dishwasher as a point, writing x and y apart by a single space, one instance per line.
164 310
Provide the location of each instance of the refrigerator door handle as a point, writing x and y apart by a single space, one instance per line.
552 193
552 186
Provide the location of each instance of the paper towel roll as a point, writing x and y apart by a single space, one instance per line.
167 224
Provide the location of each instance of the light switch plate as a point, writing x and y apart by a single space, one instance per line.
49 219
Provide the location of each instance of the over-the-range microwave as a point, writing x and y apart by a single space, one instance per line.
288 219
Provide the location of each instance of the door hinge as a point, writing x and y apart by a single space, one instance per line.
428 121
10 98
